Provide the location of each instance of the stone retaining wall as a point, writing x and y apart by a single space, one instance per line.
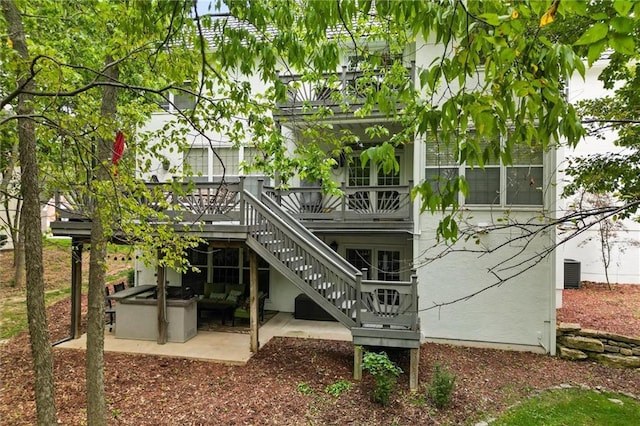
615 350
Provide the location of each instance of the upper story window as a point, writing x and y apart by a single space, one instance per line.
177 100
203 164
518 184
378 58
196 161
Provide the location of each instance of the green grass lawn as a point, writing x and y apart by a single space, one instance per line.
575 407
13 306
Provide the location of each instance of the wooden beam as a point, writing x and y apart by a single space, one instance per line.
253 302
76 288
227 244
357 362
162 302
414 367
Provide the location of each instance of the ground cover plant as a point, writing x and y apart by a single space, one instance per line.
575 406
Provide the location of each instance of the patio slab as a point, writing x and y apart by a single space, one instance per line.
224 347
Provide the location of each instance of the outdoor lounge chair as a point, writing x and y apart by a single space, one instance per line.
221 297
242 311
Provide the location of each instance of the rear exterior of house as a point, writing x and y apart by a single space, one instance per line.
379 231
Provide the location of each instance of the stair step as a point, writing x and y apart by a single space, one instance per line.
293 259
302 268
335 295
323 285
313 277
283 250
348 304
271 242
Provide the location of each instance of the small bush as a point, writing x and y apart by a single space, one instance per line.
441 387
384 373
304 388
338 388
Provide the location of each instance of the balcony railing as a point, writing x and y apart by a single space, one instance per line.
221 201
356 203
191 202
348 87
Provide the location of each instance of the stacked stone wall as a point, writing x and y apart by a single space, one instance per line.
615 350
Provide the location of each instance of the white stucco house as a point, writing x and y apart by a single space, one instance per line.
376 225
369 257
585 249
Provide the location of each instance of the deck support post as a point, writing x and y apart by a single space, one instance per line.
162 302
357 362
253 302
414 368
76 288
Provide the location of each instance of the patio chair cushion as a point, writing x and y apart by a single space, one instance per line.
230 295
217 296
210 288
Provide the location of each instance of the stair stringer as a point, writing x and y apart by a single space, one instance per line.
300 283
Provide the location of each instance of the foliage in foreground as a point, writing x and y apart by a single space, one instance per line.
575 407
384 372
441 387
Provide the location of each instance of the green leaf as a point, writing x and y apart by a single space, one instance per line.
622 25
595 50
623 7
624 44
491 18
593 34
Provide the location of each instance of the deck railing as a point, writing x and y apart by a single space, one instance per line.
220 201
188 202
356 203
391 304
331 89
200 201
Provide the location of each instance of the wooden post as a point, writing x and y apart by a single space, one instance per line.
253 302
357 362
162 302
414 368
76 288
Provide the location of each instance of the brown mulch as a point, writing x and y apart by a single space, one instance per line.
147 390
595 306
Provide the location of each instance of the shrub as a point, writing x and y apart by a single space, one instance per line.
384 373
338 387
304 388
441 387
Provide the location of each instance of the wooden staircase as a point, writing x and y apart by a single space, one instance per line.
378 313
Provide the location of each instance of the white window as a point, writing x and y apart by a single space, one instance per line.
519 184
386 266
225 162
378 58
196 164
177 100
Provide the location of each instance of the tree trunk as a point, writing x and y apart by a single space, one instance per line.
96 407
13 223
19 253
30 189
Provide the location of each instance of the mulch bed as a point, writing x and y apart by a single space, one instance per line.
146 390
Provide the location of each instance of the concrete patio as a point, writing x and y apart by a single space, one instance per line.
225 347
